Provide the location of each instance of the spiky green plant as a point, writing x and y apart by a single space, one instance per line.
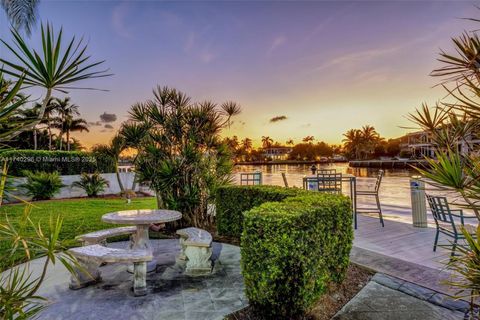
54 68
181 154
92 184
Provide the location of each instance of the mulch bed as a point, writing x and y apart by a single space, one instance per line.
330 303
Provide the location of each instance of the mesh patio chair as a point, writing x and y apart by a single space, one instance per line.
250 179
330 182
449 221
323 171
373 193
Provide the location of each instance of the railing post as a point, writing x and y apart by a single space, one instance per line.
419 209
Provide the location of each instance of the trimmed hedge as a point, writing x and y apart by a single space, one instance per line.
233 201
64 162
292 249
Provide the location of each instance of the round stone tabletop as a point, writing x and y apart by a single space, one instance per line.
142 216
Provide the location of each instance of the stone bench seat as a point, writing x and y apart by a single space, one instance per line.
101 236
92 256
195 237
196 250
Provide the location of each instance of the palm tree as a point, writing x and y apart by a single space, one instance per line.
133 134
267 142
66 111
67 125
352 142
308 139
289 142
113 150
47 118
247 144
56 68
21 13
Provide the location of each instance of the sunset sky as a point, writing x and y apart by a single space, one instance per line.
326 66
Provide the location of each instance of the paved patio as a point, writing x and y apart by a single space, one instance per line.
171 295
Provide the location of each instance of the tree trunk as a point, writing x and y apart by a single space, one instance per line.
32 125
49 136
120 184
34 138
61 140
68 140
160 204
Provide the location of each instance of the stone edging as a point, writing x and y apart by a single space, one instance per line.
421 293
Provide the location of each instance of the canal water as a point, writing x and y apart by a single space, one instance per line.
394 190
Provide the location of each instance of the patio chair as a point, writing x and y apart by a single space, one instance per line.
373 193
446 223
330 182
324 171
251 178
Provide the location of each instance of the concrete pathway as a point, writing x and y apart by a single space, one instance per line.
378 302
171 295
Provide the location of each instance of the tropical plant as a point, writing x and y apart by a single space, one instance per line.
19 297
113 150
92 184
41 185
467 268
361 143
247 144
181 154
267 142
55 68
21 13
68 125
451 126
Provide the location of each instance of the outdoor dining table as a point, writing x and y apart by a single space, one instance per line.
142 219
311 183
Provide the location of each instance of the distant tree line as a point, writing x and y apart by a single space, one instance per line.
358 144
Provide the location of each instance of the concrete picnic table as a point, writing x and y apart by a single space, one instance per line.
142 219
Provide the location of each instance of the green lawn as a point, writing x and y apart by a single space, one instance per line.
79 215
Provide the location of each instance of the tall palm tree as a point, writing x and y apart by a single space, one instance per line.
308 139
113 150
68 125
247 144
47 117
66 111
289 142
267 142
352 142
21 13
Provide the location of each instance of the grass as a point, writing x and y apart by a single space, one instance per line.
79 215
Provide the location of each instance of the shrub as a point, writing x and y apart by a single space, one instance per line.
233 201
42 185
92 184
64 162
292 249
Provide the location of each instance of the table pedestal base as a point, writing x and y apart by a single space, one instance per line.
141 241
151 267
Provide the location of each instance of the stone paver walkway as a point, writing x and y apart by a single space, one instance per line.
171 296
378 302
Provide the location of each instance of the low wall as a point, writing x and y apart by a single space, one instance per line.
73 192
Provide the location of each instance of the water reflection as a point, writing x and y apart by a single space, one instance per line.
304 169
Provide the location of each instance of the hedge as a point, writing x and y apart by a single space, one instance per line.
64 162
291 250
233 201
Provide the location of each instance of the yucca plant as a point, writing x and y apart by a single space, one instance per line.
467 270
27 240
54 68
92 184
42 185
